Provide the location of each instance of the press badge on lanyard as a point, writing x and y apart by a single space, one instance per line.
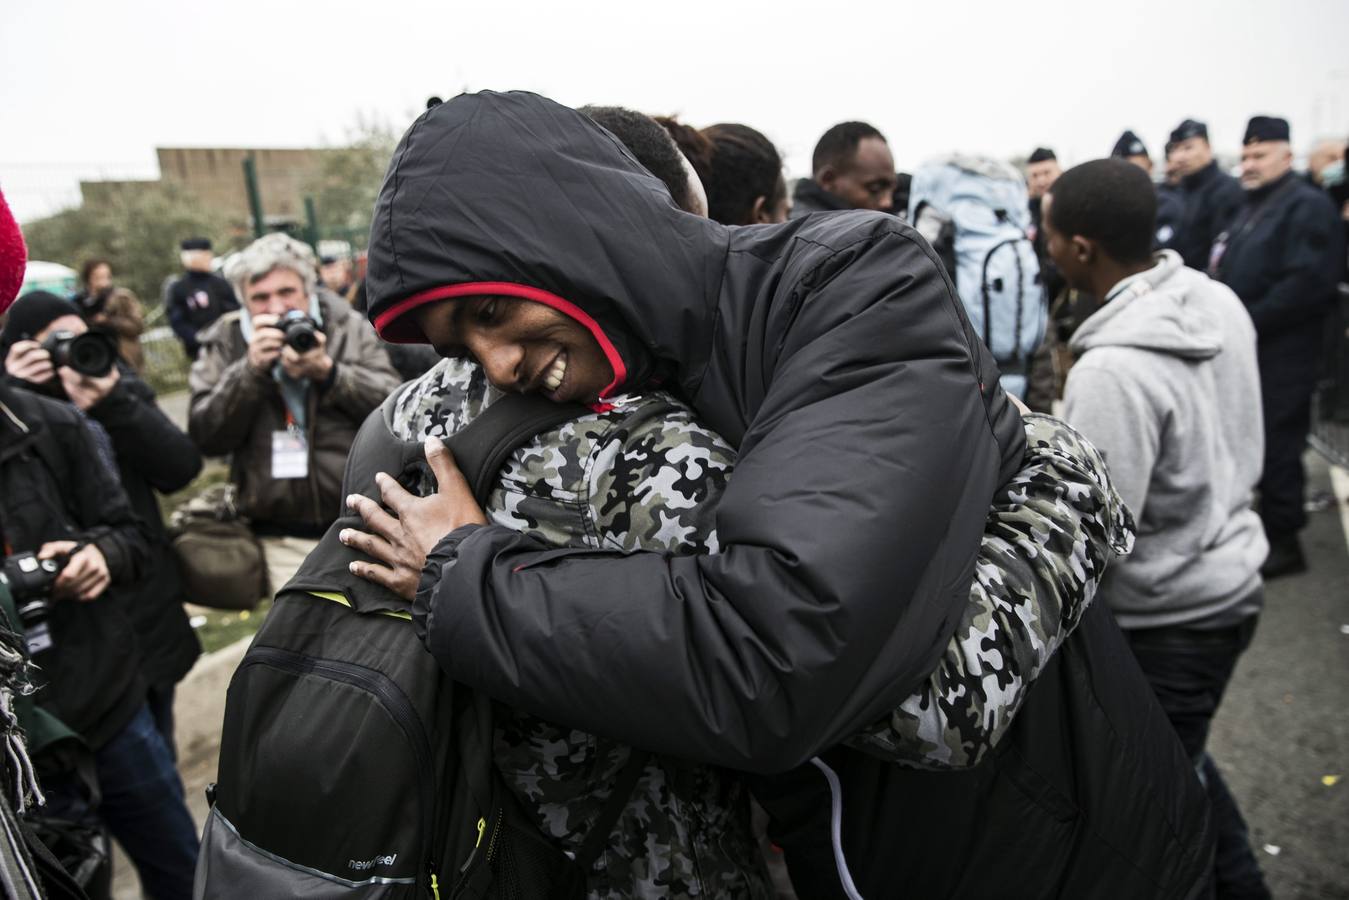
290 452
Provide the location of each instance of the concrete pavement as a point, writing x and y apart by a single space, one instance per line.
1281 737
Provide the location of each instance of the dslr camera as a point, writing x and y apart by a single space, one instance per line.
30 582
92 353
301 331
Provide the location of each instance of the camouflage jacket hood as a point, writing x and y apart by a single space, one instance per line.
831 351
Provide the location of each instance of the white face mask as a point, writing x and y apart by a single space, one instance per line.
1333 174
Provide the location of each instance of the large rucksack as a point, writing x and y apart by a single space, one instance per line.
974 212
350 765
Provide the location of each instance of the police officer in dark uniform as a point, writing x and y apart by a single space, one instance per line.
198 298
1130 148
1282 258
1210 196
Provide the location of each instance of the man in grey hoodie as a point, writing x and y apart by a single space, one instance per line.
1167 386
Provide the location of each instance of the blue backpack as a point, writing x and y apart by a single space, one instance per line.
974 212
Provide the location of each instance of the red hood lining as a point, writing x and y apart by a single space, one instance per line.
393 326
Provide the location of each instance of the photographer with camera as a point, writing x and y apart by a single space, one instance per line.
113 310
51 350
283 385
59 502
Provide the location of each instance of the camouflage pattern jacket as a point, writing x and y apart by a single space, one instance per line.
645 475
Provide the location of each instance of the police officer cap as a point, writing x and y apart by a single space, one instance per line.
1189 129
1041 154
1265 128
1129 144
195 244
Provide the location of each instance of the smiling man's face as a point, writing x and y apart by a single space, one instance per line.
522 345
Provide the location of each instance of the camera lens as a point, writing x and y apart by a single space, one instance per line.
301 334
91 354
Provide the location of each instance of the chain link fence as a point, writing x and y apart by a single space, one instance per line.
166 363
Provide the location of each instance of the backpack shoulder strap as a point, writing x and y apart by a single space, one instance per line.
481 448
597 838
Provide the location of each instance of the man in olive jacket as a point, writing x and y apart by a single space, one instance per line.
287 408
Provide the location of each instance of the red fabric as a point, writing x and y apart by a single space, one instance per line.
396 327
13 256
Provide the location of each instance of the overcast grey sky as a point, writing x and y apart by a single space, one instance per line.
92 89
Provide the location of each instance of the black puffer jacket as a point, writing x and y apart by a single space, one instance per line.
53 487
834 353
1088 796
831 350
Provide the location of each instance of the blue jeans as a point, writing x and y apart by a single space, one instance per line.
143 807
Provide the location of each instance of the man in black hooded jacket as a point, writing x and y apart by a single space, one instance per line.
842 571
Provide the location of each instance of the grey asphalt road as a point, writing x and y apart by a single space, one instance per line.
1282 731
1284 727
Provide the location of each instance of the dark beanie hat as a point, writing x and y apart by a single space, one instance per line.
1265 128
1189 129
1041 154
195 244
33 312
1129 144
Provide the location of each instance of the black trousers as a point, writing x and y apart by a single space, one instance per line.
1287 401
1189 669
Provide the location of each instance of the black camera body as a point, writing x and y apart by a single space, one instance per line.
92 353
30 582
301 331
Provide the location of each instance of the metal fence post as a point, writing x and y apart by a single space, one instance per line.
312 222
254 197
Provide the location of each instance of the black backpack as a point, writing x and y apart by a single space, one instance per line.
350 765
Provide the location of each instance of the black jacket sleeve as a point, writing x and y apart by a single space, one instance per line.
849 533
1228 199
144 438
1308 268
102 509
